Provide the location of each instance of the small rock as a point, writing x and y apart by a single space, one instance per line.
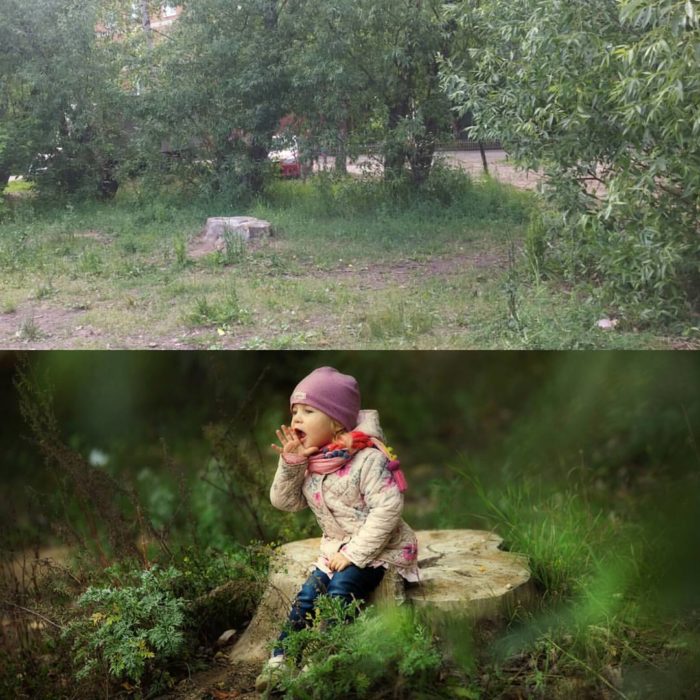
607 323
225 639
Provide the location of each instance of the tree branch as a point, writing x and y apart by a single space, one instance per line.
31 612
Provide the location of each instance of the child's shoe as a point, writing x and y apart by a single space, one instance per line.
271 673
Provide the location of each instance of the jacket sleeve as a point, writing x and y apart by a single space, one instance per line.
285 492
385 503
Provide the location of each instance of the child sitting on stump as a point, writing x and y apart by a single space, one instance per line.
333 460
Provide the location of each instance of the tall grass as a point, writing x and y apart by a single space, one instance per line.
615 601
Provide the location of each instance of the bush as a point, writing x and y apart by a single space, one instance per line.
600 96
131 632
447 193
143 626
387 652
645 271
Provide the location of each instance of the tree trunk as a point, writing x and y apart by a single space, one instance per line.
257 156
394 151
341 153
146 23
4 178
421 158
483 157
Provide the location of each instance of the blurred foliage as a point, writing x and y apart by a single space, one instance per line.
173 427
384 653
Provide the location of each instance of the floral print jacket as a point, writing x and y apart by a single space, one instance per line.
358 506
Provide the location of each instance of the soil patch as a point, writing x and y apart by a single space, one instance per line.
223 682
42 325
93 235
383 275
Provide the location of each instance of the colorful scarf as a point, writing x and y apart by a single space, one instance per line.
333 456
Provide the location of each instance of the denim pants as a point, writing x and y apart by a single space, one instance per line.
348 584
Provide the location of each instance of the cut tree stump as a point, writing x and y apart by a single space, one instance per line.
219 229
463 572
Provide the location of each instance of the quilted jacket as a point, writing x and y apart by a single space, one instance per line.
358 506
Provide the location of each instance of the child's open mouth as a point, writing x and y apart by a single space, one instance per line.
300 434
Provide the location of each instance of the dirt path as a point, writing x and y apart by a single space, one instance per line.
499 166
224 681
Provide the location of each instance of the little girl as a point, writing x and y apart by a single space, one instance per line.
332 459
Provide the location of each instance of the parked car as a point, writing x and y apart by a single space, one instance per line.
285 152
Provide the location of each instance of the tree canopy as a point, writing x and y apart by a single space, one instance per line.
605 97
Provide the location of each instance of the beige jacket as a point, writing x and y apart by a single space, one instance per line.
358 506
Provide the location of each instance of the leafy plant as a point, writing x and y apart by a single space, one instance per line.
129 630
224 312
600 96
389 651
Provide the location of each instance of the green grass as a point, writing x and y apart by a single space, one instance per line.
609 620
18 186
352 264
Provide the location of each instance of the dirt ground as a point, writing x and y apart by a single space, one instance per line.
66 328
499 166
224 681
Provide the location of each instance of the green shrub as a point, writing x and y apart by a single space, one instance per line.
142 626
389 652
129 631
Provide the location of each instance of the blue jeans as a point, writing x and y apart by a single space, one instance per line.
348 584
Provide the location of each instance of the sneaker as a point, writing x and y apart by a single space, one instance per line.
271 674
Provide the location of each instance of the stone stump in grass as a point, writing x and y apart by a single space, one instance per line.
222 231
463 573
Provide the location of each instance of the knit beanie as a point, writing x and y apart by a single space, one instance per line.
336 394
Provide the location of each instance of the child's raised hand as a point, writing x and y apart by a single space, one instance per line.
291 445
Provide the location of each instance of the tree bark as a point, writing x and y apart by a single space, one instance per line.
341 154
146 23
421 158
483 157
395 152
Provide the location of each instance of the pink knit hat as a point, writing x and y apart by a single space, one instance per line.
336 394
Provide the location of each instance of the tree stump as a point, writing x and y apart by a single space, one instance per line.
219 231
463 572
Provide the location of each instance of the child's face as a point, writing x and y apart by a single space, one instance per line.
314 428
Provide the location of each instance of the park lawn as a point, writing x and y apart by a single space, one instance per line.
336 274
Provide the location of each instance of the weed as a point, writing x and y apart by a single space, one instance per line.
511 290
400 321
129 247
224 312
90 263
180 248
29 330
129 626
234 248
390 649
8 307
45 290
